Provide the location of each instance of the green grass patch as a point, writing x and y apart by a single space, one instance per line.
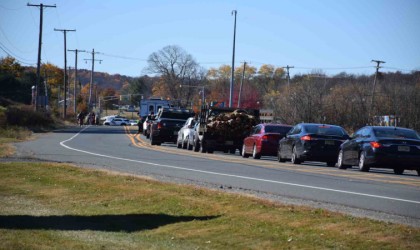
45 206
9 135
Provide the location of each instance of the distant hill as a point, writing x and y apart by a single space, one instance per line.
104 80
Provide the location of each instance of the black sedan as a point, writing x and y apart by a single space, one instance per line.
312 142
382 147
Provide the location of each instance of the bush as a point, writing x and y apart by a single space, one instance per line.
25 116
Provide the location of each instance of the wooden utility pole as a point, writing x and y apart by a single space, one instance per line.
76 51
38 65
91 77
372 104
232 77
288 75
240 88
65 69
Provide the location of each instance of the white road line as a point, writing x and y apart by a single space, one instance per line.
231 175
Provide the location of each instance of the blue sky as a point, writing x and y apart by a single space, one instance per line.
328 35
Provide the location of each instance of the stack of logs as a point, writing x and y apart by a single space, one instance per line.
235 124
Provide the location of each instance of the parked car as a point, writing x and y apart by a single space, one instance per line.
167 124
117 122
184 133
312 142
383 147
133 122
146 125
193 142
264 140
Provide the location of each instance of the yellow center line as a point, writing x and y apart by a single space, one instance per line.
139 142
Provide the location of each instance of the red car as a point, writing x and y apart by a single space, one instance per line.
264 140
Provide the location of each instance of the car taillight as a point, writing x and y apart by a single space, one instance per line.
306 138
375 144
159 125
264 138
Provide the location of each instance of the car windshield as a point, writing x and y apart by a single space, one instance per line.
277 129
395 133
325 130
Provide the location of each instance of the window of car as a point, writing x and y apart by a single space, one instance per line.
324 130
395 133
276 129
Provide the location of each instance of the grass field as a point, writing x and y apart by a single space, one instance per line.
49 206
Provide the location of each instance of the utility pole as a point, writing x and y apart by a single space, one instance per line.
76 51
65 69
232 78
288 75
240 88
38 66
91 77
372 104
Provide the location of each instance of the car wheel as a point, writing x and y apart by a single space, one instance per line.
398 171
189 146
196 146
295 159
362 162
232 151
178 145
418 172
340 163
184 144
148 135
255 155
202 148
244 154
152 141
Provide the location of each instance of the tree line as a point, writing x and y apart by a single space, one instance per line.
343 99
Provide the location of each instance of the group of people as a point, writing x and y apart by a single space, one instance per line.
92 119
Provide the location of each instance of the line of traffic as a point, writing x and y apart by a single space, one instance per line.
63 144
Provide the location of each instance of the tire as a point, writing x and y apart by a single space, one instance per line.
184 144
418 172
244 155
178 145
255 155
152 141
232 151
340 164
362 162
295 159
202 148
147 135
189 146
398 171
196 146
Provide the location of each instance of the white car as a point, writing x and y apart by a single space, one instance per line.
114 121
185 133
133 122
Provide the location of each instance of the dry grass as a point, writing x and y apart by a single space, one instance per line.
58 206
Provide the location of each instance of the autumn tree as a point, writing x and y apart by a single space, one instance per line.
175 67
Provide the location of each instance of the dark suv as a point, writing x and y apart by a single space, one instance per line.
167 124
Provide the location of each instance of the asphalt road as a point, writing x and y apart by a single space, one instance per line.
378 194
